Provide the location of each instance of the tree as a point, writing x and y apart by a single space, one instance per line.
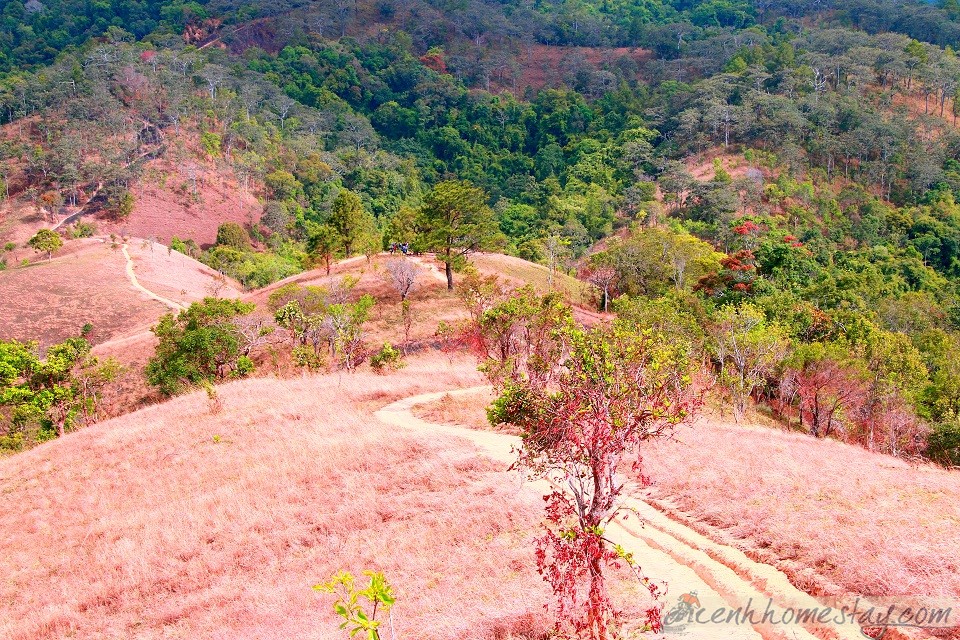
402 275
555 250
346 330
456 221
350 220
584 400
199 344
46 241
323 243
602 274
829 384
231 234
747 349
51 395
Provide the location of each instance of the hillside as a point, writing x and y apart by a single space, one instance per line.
88 282
269 271
177 520
813 509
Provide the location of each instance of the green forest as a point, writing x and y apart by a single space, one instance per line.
775 183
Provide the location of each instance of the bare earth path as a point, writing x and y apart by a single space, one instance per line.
720 575
176 306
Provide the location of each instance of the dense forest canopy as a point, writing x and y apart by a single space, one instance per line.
797 161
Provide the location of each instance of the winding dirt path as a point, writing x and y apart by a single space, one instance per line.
176 306
719 575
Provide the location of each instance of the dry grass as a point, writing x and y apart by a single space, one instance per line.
52 299
87 282
173 522
520 272
176 276
867 523
833 516
164 205
431 303
465 410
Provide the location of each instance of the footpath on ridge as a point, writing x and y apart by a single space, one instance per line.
720 576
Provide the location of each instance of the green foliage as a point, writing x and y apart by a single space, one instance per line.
944 444
211 143
231 234
121 203
354 226
323 243
46 241
49 396
388 357
244 367
200 344
359 618
455 221
83 230
747 349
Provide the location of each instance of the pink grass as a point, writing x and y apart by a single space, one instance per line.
145 526
867 523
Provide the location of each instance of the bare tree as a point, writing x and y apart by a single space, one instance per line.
403 275
214 75
281 105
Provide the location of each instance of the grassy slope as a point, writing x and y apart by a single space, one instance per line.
149 526
834 517
87 282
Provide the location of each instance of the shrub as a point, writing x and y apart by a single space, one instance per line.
944 444
231 234
83 230
197 346
211 142
244 367
388 357
306 356
347 605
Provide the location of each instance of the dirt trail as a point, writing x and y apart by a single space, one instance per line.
432 269
176 306
719 575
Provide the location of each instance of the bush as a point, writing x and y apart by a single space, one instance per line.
943 445
212 142
305 356
198 346
83 230
231 234
244 367
387 357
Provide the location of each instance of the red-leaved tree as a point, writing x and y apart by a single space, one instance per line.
828 385
584 399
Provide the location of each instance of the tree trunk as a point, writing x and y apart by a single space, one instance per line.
449 270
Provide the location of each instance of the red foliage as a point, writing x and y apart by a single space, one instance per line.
737 273
826 390
747 228
584 400
434 61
